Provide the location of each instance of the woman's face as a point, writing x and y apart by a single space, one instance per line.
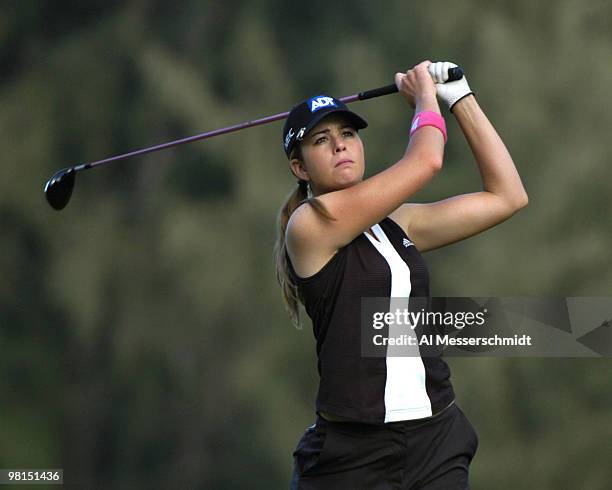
332 156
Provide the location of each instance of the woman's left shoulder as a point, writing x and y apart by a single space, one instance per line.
401 216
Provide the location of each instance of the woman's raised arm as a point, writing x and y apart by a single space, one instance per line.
434 225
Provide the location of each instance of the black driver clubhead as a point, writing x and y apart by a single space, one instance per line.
59 188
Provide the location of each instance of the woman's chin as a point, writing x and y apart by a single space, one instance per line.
343 182
349 182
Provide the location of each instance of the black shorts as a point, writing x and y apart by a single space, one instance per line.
429 454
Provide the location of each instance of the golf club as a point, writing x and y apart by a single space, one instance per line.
59 187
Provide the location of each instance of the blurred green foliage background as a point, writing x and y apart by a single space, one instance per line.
144 341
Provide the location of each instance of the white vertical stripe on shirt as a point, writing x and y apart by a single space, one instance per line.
405 393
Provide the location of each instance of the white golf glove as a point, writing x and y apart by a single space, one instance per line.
452 92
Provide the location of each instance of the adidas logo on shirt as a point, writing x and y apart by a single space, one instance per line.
407 242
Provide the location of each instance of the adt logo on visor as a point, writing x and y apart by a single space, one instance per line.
319 102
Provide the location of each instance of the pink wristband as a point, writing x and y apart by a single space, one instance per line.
428 118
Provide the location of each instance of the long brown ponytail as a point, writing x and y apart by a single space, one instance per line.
289 290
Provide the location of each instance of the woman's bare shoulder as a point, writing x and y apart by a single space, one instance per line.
308 253
402 215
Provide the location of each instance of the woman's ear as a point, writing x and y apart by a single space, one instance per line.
298 169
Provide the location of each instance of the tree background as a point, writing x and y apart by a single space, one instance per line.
144 342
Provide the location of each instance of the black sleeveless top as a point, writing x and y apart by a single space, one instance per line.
370 389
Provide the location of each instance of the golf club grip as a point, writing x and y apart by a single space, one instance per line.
455 73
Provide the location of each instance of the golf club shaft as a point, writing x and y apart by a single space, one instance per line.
182 141
454 74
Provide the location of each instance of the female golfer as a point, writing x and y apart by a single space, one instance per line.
382 422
